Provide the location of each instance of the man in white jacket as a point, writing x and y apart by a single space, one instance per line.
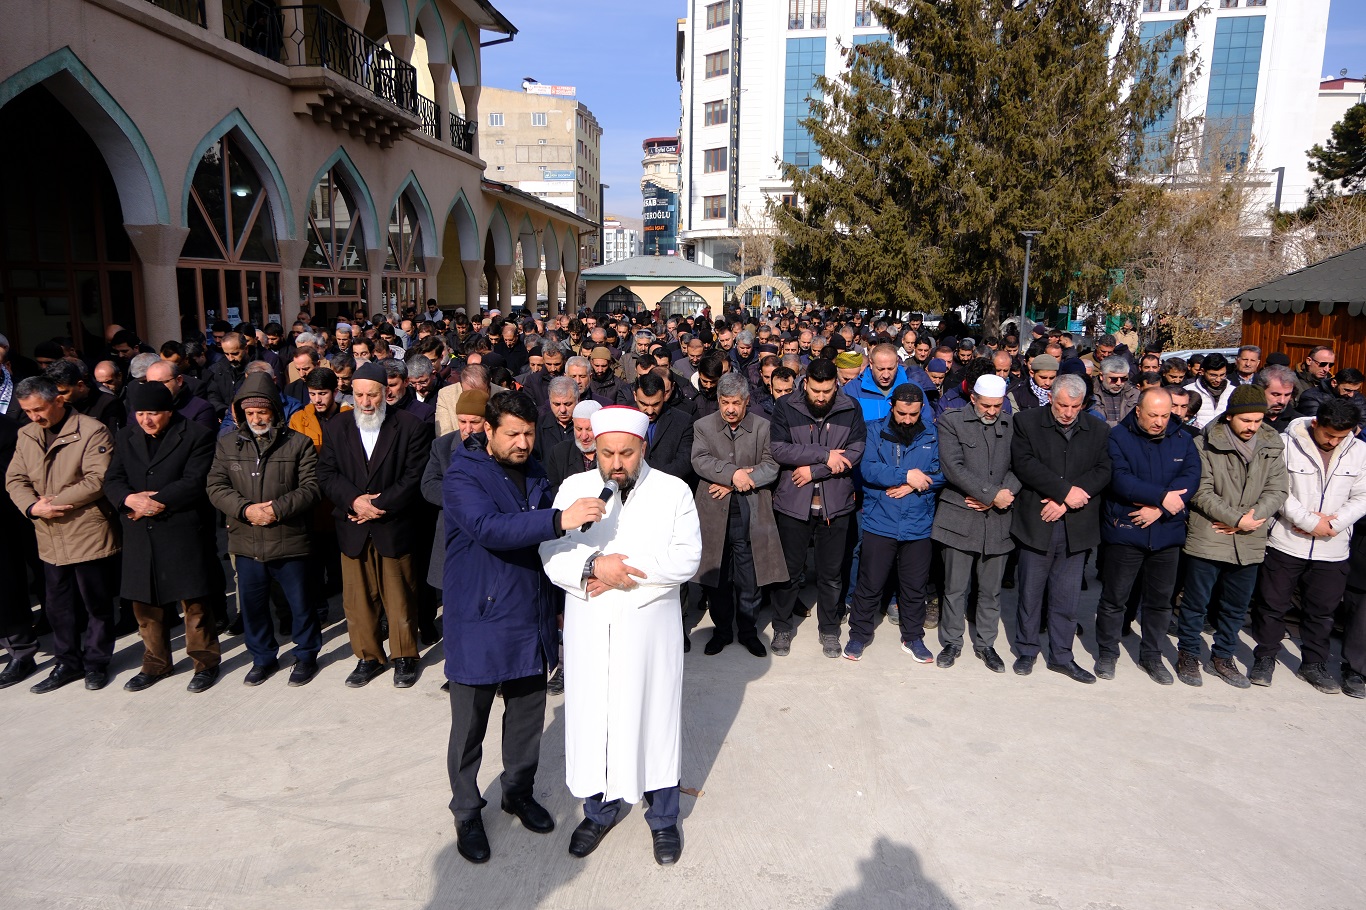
1310 541
623 635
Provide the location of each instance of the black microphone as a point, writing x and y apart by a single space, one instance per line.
607 490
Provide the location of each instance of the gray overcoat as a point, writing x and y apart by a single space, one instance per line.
975 459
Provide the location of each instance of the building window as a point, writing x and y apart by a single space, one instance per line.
1157 135
1228 4
805 61
718 14
714 160
818 13
713 207
1152 6
495 119
796 14
863 16
789 200
540 118
718 64
1256 2
1177 6
1234 70
714 112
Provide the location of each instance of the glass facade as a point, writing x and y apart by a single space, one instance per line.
1234 68
805 61
1159 132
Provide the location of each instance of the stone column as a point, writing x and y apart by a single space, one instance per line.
504 288
445 96
471 95
552 292
432 265
213 17
491 282
532 275
355 12
376 301
571 291
472 268
291 258
159 247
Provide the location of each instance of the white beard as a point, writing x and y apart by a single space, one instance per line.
258 431
371 422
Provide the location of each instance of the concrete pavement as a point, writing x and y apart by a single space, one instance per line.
826 784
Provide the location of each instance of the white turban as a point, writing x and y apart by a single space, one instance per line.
990 386
621 419
585 409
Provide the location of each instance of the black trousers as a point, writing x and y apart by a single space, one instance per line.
735 599
523 719
829 537
1124 565
1281 574
1055 574
912 561
78 593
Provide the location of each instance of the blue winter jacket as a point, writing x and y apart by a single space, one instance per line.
1144 469
876 404
499 617
885 463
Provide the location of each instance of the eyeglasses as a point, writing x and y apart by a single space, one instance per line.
1324 363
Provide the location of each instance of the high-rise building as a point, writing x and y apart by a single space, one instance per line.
618 241
1257 89
545 142
747 69
659 189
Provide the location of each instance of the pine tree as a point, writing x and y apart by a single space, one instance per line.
979 119
1341 166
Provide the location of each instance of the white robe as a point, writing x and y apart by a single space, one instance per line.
623 650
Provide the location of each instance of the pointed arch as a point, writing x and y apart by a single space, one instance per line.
569 251
356 184
281 208
142 194
396 18
531 255
434 32
501 232
551 242
461 214
465 54
413 189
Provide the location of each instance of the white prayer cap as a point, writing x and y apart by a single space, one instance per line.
991 386
585 409
618 418
344 328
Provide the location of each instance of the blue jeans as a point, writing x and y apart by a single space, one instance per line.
1201 577
253 600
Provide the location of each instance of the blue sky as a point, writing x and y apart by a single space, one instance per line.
620 54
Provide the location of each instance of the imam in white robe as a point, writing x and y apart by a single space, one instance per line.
623 650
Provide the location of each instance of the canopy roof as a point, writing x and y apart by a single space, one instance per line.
1338 281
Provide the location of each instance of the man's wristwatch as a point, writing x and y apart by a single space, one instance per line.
588 566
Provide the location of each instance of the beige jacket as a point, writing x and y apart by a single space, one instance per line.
71 473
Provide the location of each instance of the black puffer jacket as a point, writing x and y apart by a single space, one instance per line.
280 467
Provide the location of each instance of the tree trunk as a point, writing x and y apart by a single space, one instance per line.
991 308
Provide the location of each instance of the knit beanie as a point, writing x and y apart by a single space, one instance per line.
848 360
1247 399
471 403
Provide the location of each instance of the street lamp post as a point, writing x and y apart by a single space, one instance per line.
1024 291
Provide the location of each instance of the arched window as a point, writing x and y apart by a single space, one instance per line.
405 275
619 298
229 266
681 302
334 276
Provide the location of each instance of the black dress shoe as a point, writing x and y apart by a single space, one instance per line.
429 634
587 836
144 680
989 657
1072 672
1023 666
203 680
60 676
95 680
303 672
365 671
18 671
668 845
471 840
259 673
531 813
754 646
716 643
405 672
1159 673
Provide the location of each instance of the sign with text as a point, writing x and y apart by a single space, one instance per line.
562 91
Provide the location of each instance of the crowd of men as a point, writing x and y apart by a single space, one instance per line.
896 471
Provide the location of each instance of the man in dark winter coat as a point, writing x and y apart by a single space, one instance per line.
1061 456
264 479
156 482
1155 472
500 611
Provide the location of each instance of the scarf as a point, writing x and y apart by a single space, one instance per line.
1244 449
1044 395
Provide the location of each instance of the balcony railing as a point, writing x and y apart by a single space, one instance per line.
311 36
429 112
863 18
189 10
462 133
818 20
